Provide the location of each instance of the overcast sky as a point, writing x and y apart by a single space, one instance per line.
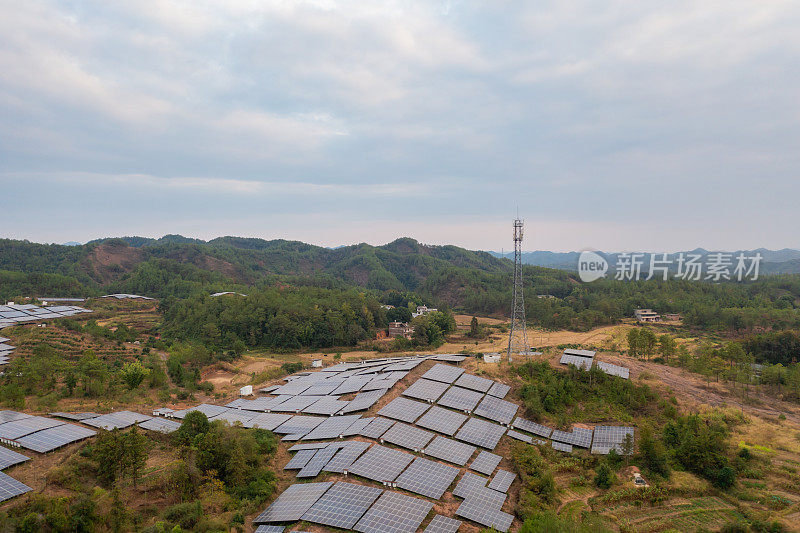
616 125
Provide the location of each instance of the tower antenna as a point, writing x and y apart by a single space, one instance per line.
518 335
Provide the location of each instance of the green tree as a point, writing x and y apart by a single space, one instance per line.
604 477
133 374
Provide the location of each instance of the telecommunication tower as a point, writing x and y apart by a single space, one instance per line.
518 336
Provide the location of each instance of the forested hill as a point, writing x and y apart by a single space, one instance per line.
402 265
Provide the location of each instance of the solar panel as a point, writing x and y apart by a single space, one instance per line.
351 384
469 381
403 365
363 400
582 437
444 373
450 450
327 405
407 436
11 416
581 353
268 421
607 438
377 427
502 480
10 487
234 416
474 486
357 427
75 416
295 404
560 446
562 436
10 458
519 436
499 390
426 477
55 437
481 433
381 464
614 370
324 388
300 459
162 425
403 409
344 459
532 427
479 511
269 529
205 408
308 446
426 389
343 505
584 363
331 428
461 399
442 420
496 409
298 425
452 358
292 504
485 463
394 513
443 524
25 426
320 459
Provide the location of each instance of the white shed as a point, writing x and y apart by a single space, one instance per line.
493 357
316 363
247 390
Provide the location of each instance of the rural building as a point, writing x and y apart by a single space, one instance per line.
423 310
672 316
646 315
247 390
491 357
400 329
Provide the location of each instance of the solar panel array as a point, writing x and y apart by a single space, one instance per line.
426 477
300 459
532 427
450 450
502 480
345 457
293 503
519 436
313 467
55 437
298 425
22 313
496 409
443 524
342 505
560 446
477 383
381 464
613 370
607 438
403 409
269 529
426 389
499 390
443 373
120 419
408 437
394 513
331 427
363 400
268 421
485 463
442 420
481 433
10 458
15 429
584 363
461 399
10 487
483 513
377 427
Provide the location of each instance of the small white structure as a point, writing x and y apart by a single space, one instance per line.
247 390
164 411
493 357
423 310
316 363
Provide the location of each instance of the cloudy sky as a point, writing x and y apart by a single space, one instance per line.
617 125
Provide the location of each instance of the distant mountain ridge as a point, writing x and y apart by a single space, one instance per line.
784 261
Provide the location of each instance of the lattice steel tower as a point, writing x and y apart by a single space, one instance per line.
518 336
